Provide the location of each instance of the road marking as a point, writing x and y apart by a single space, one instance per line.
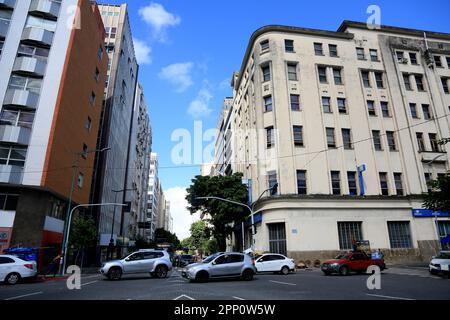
183 295
93 276
237 298
287 283
87 283
25 295
388 297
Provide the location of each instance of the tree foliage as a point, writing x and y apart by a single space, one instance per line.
200 234
223 214
438 198
142 243
83 233
162 235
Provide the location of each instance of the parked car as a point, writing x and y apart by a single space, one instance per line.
345 263
440 263
155 262
221 265
13 269
186 259
273 262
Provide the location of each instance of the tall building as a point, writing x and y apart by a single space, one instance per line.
116 124
138 169
347 123
222 148
50 94
153 198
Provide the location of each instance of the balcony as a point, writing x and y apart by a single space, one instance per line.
30 65
45 8
11 174
23 98
8 4
38 35
15 134
433 156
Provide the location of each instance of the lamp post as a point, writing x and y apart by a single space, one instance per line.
72 187
69 220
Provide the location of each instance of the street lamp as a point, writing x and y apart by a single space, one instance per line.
66 238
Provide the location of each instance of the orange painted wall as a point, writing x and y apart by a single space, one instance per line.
68 133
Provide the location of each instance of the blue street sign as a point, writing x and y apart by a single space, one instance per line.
426 213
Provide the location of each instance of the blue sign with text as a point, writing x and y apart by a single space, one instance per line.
426 213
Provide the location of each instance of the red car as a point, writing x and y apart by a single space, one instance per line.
345 263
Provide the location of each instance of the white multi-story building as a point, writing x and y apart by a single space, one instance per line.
347 124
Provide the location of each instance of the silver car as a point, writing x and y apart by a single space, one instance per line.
221 265
155 262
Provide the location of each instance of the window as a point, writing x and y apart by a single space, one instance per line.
426 112
270 137
434 142
113 33
292 71
277 238
406 81
97 75
17 118
336 182
6 260
413 58
88 124
337 76
92 98
373 55
267 103
342 105
379 80
399 234
40 23
271 179
360 54
298 136
80 181
352 187
331 141
428 179
266 73
391 141
349 232
400 56
301 182
398 183
347 139
322 74
384 184
445 85
419 82
366 79
377 140
318 50
32 52
12 155
100 53
295 102
264 45
84 153
326 105
438 61
289 45
385 109
413 109
420 141
333 50
8 202
2 42
371 107
448 62
25 83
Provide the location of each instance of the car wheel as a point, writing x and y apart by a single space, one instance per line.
12 278
247 275
434 272
285 270
115 274
343 271
202 276
161 271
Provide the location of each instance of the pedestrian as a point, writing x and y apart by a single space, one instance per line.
54 265
354 245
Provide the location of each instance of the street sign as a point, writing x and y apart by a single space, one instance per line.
426 213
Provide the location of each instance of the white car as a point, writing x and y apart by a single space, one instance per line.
440 263
12 269
274 262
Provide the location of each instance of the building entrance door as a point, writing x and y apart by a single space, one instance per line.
277 238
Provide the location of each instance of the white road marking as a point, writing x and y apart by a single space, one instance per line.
25 295
237 298
87 283
88 277
183 295
388 297
287 283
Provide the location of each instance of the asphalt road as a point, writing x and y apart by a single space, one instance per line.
397 283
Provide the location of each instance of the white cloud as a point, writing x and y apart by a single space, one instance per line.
158 18
199 107
182 218
143 52
225 84
178 74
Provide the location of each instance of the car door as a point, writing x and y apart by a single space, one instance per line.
262 263
218 267
147 262
234 266
3 267
278 262
357 261
133 262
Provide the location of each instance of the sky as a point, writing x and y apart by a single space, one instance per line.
188 49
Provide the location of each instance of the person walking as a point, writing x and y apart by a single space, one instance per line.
54 266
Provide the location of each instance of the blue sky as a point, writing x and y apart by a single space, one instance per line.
200 43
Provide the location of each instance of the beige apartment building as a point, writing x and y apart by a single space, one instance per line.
347 124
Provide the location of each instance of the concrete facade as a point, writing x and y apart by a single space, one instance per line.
310 107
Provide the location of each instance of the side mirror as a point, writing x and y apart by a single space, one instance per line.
127 259
213 263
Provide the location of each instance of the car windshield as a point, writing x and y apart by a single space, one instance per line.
210 258
342 256
443 255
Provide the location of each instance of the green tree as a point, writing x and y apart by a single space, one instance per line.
82 235
223 214
200 234
162 235
211 246
141 243
186 244
438 198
